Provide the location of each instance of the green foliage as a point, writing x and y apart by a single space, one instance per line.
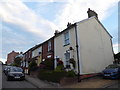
49 64
71 74
32 66
53 76
117 55
17 61
73 62
15 64
117 58
59 68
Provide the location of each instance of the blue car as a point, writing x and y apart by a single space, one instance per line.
112 71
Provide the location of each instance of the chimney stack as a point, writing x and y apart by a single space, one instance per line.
92 13
69 24
56 32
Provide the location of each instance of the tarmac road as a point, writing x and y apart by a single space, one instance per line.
116 85
14 84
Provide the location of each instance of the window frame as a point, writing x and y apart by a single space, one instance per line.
67 59
49 46
66 38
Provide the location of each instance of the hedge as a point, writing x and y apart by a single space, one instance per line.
54 76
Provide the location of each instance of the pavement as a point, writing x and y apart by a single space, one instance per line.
41 84
94 82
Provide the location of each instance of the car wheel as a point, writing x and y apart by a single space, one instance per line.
8 79
23 78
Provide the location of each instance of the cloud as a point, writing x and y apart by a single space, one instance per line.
116 48
19 14
16 13
3 60
76 10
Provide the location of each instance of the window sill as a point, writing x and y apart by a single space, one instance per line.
66 44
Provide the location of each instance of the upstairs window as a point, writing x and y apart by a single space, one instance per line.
49 46
39 51
66 38
29 53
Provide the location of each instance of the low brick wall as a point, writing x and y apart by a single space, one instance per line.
73 80
68 81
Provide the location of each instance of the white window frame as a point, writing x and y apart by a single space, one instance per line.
66 38
39 50
33 53
67 58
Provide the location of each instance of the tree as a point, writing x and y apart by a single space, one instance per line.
117 58
17 61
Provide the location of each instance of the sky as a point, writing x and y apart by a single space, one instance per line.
26 23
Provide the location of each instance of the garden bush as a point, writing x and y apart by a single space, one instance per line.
49 64
32 66
71 74
15 64
59 68
73 62
53 76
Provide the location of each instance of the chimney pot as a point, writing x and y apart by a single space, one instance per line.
92 13
56 32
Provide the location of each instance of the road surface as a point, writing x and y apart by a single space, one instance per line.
116 85
14 84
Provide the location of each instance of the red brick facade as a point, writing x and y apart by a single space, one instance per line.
48 53
11 56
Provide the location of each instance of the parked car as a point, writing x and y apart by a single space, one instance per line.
15 73
6 69
112 71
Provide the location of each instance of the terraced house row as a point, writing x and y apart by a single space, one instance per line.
86 42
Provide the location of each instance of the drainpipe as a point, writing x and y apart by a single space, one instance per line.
79 79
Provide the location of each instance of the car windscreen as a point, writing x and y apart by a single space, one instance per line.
16 70
112 67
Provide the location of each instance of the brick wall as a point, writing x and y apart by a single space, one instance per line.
11 56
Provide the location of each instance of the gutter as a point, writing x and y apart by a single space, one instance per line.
77 47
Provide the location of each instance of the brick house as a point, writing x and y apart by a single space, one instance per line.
48 49
11 56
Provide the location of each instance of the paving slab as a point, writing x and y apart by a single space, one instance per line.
94 82
39 83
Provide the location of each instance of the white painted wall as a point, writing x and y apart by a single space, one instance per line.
36 51
95 46
95 49
60 49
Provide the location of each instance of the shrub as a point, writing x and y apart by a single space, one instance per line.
48 64
53 76
73 62
59 68
32 66
15 64
60 62
71 74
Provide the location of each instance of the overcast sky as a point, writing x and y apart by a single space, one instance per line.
25 24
